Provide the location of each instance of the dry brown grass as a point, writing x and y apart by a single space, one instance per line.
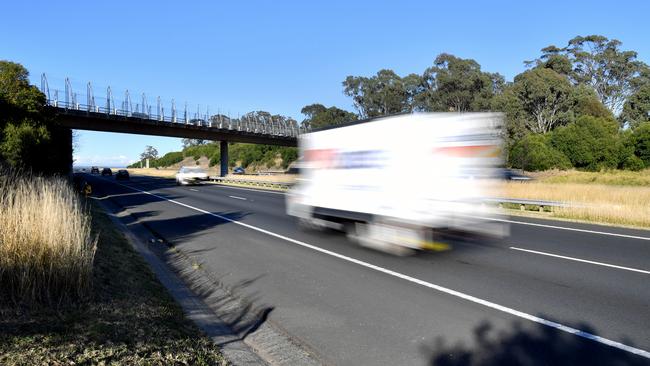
46 246
129 319
606 177
621 205
152 172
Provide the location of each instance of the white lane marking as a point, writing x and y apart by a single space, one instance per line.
536 319
567 228
194 190
238 198
581 260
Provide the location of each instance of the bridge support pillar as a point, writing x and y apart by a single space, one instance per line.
223 150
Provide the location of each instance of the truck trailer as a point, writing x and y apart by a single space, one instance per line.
398 183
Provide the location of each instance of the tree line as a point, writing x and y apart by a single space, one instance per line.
585 105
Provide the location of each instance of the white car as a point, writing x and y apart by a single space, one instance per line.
190 175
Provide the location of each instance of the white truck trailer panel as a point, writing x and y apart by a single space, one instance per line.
429 170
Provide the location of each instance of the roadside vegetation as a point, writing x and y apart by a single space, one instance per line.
600 203
46 245
116 312
30 137
605 177
239 154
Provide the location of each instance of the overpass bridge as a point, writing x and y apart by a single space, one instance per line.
109 114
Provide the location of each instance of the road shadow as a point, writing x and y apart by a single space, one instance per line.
184 229
240 308
533 345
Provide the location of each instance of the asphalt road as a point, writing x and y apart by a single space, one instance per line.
516 301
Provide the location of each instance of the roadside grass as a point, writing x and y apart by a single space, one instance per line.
128 319
152 172
46 244
599 203
606 177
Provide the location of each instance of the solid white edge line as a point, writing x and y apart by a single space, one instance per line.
536 319
581 260
238 198
566 228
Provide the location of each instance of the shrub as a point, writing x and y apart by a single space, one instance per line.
633 163
642 142
215 159
196 151
534 152
46 247
169 159
590 143
289 155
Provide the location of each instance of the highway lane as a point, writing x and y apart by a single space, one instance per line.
355 316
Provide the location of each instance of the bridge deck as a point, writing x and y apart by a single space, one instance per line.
84 120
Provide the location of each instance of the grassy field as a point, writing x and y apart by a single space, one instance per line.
615 197
129 318
611 177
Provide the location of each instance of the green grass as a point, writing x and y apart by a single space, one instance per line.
129 319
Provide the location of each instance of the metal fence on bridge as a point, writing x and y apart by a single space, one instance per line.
261 123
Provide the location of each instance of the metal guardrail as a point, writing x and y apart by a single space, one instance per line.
257 183
519 201
270 172
541 204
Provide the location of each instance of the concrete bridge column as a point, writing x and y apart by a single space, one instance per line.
223 149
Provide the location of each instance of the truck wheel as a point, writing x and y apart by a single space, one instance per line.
308 225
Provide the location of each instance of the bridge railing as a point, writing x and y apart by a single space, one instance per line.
67 100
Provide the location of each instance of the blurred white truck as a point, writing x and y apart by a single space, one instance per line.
394 183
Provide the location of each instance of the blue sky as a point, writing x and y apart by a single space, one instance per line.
238 56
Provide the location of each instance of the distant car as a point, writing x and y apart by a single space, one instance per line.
94 170
190 175
107 171
139 115
122 174
200 122
238 170
509 174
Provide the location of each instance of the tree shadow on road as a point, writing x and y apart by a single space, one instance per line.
235 304
529 346
179 230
